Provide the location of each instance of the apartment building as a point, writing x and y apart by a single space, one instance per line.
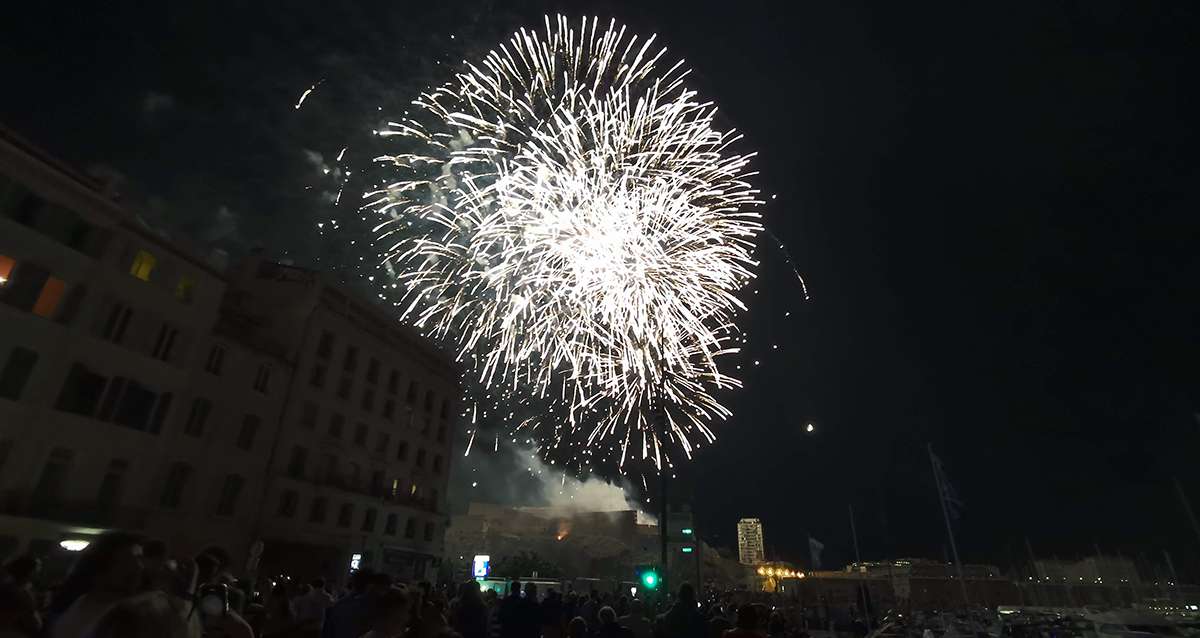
263 411
360 470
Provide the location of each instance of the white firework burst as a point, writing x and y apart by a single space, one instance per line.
572 222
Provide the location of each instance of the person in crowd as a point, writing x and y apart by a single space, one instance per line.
154 614
14 613
278 617
636 621
310 607
588 606
622 606
509 613
577 628
776 627
432 624
531 613
108 571
609 627
348 618
747 623
718 625
19 575
683 619
389 614
469 616
552 615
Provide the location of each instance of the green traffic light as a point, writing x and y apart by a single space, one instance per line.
650 579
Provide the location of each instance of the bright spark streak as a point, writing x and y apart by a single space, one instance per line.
305 96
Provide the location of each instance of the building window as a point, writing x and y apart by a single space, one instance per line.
288 500
134 406
336 423
216 360
345 515
360 435
410 528
308 414
433 500
318 376
437 464
325 345
6 447
428 531
410 397
143 264
441 434
6 269
382 440
49 487
393 381
112 485
160 412
350 362
377 483
344 388
426 426
444 412
373 371
421 457
48 298
165 342
177 479
368 402
402 451
231 489
17 371
369 520
331 466
250 425
70 307
389 408
81 391
263 378
429 400
316 513
185 289
389 526
198 416
295 468
118 321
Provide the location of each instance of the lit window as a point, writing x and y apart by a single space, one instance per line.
143 265
183 290
6 268
47 301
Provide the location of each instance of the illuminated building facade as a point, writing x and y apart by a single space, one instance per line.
750 541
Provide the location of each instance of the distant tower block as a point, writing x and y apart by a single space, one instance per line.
750 541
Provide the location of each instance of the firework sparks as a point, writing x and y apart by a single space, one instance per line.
576 228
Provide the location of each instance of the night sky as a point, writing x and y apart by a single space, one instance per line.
994 206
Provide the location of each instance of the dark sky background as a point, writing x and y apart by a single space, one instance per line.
994 205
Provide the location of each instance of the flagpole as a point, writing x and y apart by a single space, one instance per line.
937 477
858 559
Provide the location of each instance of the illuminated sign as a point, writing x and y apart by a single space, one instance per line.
355 561
687 550
481 565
